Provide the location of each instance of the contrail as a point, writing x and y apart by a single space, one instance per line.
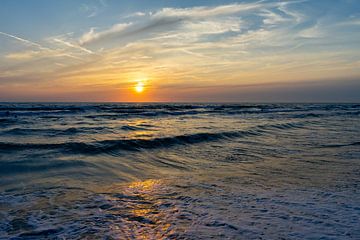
72 45
30 43
24 41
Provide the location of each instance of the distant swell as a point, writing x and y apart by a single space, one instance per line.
115 111
107 146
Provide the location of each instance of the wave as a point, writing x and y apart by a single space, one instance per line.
132 128
123 144
327 114
71 130
283 126
342 145
7 122
108 146
158 110
53 132
25 107
9 168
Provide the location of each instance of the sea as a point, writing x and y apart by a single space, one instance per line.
179 171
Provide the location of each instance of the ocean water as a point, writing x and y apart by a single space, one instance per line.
179 171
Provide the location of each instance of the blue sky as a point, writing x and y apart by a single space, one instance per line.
180 50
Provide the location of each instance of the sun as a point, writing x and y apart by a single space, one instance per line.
139 87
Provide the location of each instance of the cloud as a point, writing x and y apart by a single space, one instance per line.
312 32
169 19
22 55
92 10
206 12
93 36
271 18
297 16
352 22
136 14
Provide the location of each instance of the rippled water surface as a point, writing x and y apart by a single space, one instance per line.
179 171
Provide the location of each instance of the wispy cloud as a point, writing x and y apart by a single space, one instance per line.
314 31
93 36
351 22
206 12
22 55
168 19
92 10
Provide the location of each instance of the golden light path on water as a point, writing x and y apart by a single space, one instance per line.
146 216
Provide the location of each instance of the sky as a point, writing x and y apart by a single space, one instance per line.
180 50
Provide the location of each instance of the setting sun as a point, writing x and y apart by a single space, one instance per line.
139 87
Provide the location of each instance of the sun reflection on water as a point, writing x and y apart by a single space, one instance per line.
144 211
145 186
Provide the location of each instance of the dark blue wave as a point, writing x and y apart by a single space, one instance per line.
107 146
132 128
9 168
53 132
342 145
